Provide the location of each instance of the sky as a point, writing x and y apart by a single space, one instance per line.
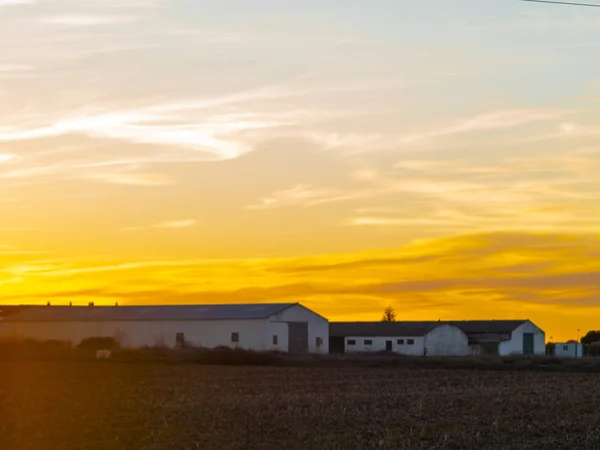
439 157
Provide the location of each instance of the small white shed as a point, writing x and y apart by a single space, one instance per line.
286 327
568 350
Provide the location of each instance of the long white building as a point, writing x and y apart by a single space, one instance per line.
454 338
405 338
288 327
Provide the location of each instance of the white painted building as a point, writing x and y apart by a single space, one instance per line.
404 338
504 337
454 338
288 327
568 350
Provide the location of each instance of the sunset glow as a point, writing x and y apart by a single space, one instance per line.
441 158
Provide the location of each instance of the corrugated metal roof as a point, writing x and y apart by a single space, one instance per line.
162 312
487 326
418 329
373 329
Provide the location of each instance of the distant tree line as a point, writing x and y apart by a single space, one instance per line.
592 337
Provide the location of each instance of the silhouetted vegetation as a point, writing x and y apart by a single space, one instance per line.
31 349
591 337
53 351
99 343
389 314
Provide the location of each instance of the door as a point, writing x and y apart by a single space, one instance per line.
297 337
528 348
490 348
388 346
336 344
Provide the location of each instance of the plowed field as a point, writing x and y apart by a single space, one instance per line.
108 405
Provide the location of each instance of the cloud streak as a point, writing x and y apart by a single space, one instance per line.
171 224
432 277
16 2
86 20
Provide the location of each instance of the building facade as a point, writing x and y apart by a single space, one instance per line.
454 338
504 337
403 338
290 328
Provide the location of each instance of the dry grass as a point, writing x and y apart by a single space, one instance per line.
109 405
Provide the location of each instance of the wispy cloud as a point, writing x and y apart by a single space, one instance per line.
499 120
133 179
171 224
14 68
176 224
303 195
16 2
6 157
219 135
516 273
86 20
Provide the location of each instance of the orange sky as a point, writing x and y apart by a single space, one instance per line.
154 151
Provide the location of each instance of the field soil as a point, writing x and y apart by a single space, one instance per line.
110 405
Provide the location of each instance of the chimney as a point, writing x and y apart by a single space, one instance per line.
116 303
70 303
48 304
91 304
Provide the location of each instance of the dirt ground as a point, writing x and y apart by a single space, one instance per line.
108 405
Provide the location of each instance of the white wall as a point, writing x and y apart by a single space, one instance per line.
379 345
568 350
253 334
279 329
514 346
447 340
317 326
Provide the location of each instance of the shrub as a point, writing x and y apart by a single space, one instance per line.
99 343
230 356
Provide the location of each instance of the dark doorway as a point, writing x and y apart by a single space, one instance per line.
528 347
336 344
490 348
297 337
388 346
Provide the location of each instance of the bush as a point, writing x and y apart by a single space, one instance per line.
99 343
31 349
230 356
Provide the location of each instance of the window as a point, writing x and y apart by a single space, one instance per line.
565 347
180 339
400 342
319 341
368 342
351 341
235 337
275 340
410 341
